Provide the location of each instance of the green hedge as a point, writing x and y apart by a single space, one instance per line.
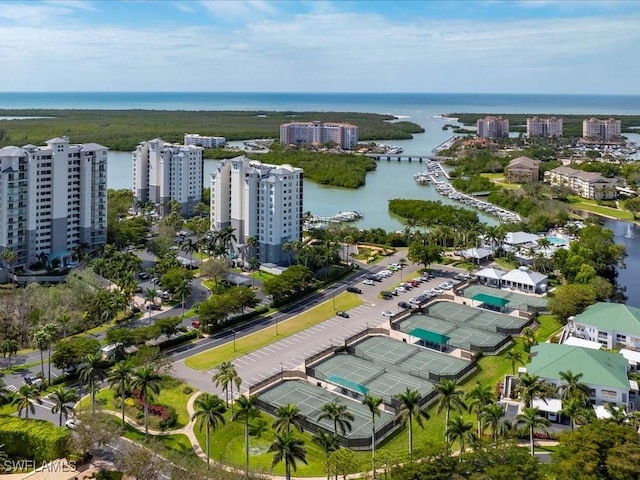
36 439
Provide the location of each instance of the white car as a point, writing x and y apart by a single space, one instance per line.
445 286
401 289
387 313
385 273
72 423
437 291
368 282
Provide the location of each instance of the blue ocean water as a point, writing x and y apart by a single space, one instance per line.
411 104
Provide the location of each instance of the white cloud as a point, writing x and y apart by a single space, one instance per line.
239 10
328 51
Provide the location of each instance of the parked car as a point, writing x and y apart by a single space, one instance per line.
72 423
387 295
353 289
33 381
342 314
387 314
437 291
368 282
404 305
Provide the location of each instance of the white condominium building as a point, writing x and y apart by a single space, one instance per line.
493 127
202 141
544 127
53 198
603 130
164 171
260 201
308 133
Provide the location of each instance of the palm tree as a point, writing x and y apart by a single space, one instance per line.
287 248
64 321
528 336
339 414
478 398
287 416
289 449
573 388
573 408
329 443
410 408
209 409
225 377
493 416
182 291
403 263
460 429
531 386
9 348
119 378
189 247
514 356
41 341
91 372
532 422
618 414
247 410
25 399
146 380
61 397
373 403
450 398
251 243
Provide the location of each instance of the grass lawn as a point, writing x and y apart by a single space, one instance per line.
178 442
209 359
547 326
499 179
170 394
227 446
592 206
505 264
260 275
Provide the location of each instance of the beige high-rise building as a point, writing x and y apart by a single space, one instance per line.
492 127
309 133
603 130
544 127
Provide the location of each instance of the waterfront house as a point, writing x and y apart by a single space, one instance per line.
614 325
523 170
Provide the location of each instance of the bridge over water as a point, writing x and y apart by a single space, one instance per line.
405 158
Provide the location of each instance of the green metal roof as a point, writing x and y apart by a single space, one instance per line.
429 336
490 299
612 316
348 384
602 368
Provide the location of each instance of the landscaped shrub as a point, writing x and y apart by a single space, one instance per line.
169 419
36 439
187 390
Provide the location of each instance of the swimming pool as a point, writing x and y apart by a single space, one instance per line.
557 241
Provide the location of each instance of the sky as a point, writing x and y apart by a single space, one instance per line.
532 46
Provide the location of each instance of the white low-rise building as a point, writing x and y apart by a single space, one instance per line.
204 141
614 325
604 372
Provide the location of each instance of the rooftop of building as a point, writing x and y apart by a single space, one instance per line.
611 316
524 162
598 367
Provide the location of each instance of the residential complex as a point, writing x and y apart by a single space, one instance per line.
163 172
601 130
53 198
493 127
544 127
260 201
202 141
318 133
613 325
523 170
605 373
586 184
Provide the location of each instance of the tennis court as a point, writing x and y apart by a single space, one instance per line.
476 318
517 301
345 370
461 336
408 358
310 398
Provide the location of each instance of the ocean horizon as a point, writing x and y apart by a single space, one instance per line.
406 104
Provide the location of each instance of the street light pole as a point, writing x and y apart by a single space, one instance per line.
234 340
276 326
